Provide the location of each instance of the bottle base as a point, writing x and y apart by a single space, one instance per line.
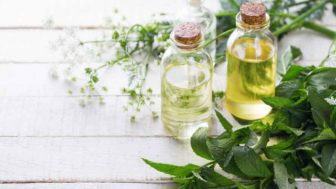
184 130
248 112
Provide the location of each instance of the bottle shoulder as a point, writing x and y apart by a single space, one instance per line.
173 55
238 34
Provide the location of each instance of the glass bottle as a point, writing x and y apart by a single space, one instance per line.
186 82
195 12
251 69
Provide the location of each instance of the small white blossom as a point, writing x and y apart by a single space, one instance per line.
331 100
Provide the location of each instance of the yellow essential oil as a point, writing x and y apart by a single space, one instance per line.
250 76
186 97
251 63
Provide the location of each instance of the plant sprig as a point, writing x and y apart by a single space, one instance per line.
298 139
136 47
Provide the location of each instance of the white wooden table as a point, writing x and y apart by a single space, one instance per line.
48 141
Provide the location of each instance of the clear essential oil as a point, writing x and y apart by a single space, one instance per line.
251 64
186 84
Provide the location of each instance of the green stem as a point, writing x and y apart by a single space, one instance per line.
224 34
224 14
320 29
298 3
234 4
299 20
310 25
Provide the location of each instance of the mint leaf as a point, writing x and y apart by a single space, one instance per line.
198 143
325 135
179 171
287 88
290 55
278 102
293 72
323 78
328 161
211 176
249 162
333 120
225 123
281 176
220 150
321 110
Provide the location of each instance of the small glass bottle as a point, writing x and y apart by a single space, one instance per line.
186 82
195 12
251 69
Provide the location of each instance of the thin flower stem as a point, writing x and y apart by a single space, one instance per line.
298 3
300 19
224 34
310 25
234 4
229 13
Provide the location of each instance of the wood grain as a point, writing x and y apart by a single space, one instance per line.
88 12
88 159
89 186
302 185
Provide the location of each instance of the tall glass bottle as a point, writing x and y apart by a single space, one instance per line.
252 58
186 82
195 12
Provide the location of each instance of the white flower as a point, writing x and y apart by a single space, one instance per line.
331 100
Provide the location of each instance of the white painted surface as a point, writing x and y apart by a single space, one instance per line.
47 139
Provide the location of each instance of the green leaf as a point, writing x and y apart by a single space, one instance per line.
281 176
212 176
325 135
88 70
199 143
328 161
115 35
220 150
333 120
225 123
249 162
287 88
323 78
293 72
288 129
179 171
290 55
320 108
278 102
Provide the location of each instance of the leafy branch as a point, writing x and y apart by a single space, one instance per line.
298 140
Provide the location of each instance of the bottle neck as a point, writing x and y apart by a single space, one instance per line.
252 28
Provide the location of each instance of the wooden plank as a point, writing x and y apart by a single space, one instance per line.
36 80
89 159
314 185
88 12
301 185
31 160
63 116
89 186
93 13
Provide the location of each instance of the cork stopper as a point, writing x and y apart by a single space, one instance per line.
253 13
188 34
